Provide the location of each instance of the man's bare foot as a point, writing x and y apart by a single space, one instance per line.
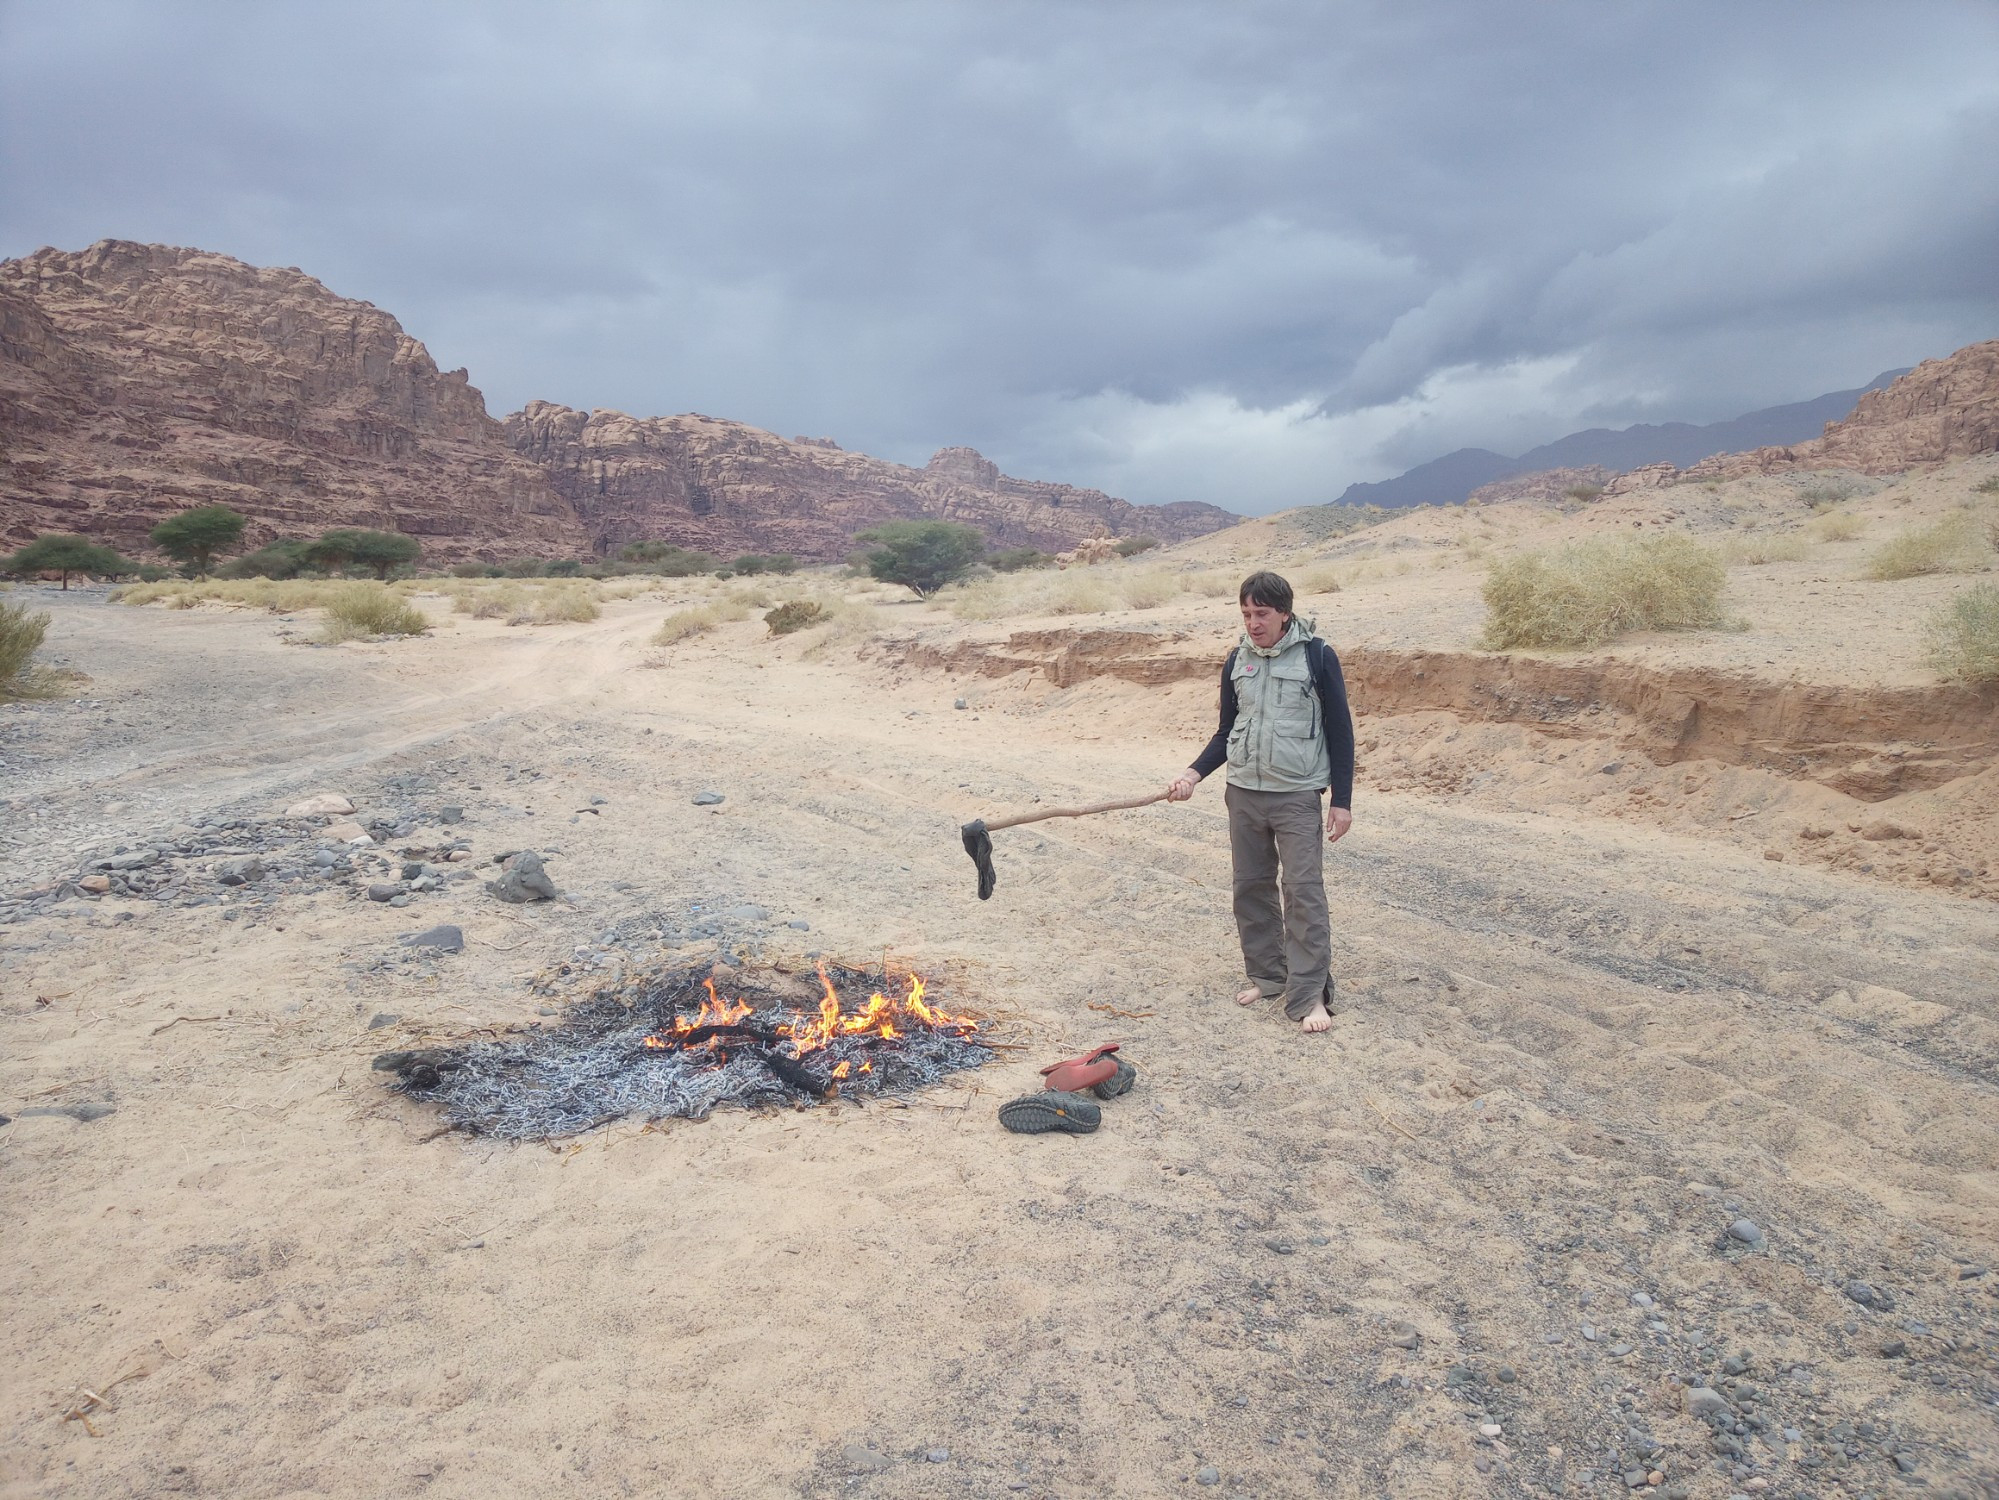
1249 996
1318 1020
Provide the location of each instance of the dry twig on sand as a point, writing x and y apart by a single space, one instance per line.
1395 1123
178 1019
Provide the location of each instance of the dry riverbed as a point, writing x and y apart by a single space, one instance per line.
1635 1160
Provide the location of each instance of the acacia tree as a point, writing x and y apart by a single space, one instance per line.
65 553
345 546
193 537
922 556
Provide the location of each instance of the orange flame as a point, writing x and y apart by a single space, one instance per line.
881 1018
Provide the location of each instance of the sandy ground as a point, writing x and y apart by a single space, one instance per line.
1473 1241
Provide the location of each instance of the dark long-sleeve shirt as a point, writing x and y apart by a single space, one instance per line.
1335 721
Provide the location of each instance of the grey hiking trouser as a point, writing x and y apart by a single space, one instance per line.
1277 842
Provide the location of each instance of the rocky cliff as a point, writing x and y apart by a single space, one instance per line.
726 488
137 380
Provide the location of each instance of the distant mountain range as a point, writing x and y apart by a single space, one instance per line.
1448 480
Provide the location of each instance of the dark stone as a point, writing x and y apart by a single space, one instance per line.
88 1112
412 869
522 880
383 891
239 871
708 799
1894 1349
380 1019
451 815
444 937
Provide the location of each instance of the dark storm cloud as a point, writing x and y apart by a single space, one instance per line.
1245 253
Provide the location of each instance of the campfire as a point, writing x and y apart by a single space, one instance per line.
672 1044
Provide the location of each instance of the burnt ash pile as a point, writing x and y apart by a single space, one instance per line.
667 1045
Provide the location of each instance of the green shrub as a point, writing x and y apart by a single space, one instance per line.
1016 559
1591 592
567 567
276 560
667 560
795 614
1964 635
470 570
1830 492
1582 492
1989 485
21 635
1951 545
1131 546
752 563
368 609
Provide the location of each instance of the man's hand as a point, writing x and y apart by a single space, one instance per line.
1181 787
1338 821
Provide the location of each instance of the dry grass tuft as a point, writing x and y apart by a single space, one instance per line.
684 624
1759 550
1964 636
1591 592
360 610
1838 526
1951 545
21 636
555 606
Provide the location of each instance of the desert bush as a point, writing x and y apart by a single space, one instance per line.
279 559
356 610
469 570
685 623
1014 559
667 560
1582 492
1989 485
1590 592
556 606
1319 580
1950 545
1964 636
1149 590
1131 546
21 636
1827 493
752 563
1757 551
794 615
492 603
1838 526
566 567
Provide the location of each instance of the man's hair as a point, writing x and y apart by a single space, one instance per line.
1266 588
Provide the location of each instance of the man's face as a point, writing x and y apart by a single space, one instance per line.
1264 624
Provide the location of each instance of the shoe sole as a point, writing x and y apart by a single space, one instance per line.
1038 1114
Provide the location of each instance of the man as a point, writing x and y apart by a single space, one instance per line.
1287 735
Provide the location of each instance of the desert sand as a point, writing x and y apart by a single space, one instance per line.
1475 1240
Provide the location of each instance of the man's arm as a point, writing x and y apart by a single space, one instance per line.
1336 721
1181 787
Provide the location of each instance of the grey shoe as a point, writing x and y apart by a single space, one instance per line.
1037 1114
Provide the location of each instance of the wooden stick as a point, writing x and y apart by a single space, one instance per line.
995 824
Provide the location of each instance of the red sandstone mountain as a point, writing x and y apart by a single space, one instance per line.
137 380
724 487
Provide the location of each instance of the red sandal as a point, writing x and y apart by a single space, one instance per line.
1096 1066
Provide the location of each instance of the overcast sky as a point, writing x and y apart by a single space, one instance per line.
1222 251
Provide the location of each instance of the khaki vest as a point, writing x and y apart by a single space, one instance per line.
1277 744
